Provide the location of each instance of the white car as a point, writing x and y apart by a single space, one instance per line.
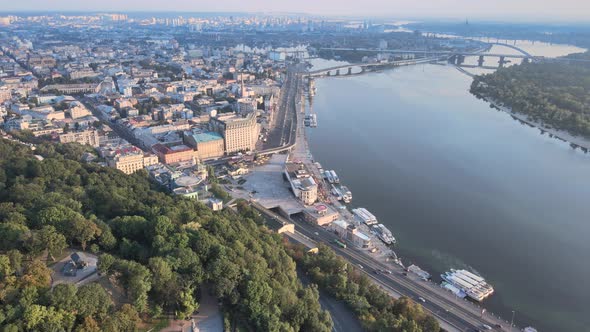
422 299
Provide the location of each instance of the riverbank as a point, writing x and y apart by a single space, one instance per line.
562 135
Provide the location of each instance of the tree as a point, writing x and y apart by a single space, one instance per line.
63 296
52 241
37 317
164 281
5 267
83 231
93 301
105 262
88 325
12 235
186 304
36 274
127 318
16 259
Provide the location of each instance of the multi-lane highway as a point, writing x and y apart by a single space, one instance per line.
282 133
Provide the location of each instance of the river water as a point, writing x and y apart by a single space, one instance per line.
462 185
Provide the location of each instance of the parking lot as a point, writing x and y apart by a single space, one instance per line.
268 187
58 277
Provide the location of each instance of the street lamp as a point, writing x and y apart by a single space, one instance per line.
512 320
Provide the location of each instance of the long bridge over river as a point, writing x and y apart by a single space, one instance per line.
346 70
456 57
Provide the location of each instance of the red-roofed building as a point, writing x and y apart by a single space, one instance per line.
174 154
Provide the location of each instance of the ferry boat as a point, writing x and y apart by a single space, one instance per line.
313 121
335 177
312 88
383 234
365 216
346 194
319 167
329 176
474 286
415 269
336 192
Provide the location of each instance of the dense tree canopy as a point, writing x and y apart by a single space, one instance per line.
557 94
160 249
376 310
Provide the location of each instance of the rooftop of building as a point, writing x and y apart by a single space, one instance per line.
206 137
164 149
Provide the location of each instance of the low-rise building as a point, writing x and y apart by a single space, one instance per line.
77 110
208 144
174 154
17 124
71 88
215 204
350 233
302 183
131 159
88 137
45 112
320 214
5 94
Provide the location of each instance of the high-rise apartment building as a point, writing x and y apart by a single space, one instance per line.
240 133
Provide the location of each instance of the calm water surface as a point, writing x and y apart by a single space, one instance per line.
463 185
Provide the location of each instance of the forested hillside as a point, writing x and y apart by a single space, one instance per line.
159 249
557 94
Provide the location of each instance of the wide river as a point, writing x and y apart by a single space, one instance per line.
462 185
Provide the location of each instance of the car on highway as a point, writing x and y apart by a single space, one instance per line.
422 299
362 267
486 326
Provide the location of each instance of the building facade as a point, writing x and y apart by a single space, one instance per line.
239 133
132 160
88 137
208 145
175 154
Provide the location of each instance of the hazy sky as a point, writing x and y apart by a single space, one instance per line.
555 10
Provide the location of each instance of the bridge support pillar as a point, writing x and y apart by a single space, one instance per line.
526 60
337 72
502 61
349 70
480 61
453 59
460 59
329 74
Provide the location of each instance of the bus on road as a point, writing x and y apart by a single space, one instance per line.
340 244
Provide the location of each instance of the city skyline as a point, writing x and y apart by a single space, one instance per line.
522 10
